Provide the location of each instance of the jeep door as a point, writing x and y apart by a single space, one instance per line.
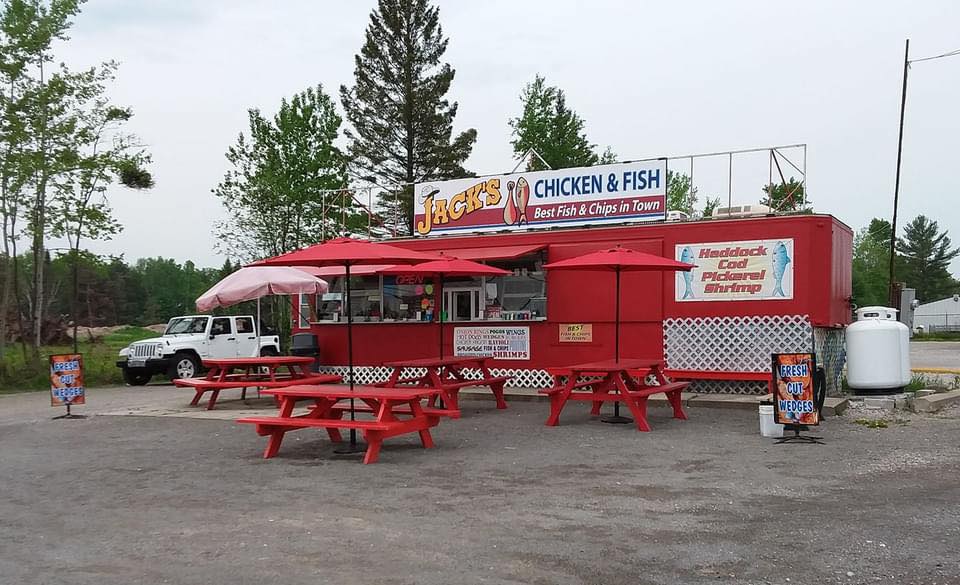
247 343
223 339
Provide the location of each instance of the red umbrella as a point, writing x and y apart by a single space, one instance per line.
442 268
619 259
347 252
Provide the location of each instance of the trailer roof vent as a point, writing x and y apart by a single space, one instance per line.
742 211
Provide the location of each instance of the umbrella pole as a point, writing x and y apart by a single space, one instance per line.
616 418
352 447
440 318
440 313
616 329
258 317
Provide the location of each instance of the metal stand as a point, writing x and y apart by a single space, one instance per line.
797 437
69 414
616 419
351 448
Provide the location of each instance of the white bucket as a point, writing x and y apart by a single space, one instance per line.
768 428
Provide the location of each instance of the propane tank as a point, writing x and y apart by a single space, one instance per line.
878 350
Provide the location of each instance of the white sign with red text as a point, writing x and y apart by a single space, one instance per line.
754 270
503 343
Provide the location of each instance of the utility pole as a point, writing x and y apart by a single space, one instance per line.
894 302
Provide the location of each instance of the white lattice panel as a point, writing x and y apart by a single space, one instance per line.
831 355
519 378
750 387
733 344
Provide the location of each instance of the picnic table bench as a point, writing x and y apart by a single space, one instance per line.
447 376
252 372
396 411
621 381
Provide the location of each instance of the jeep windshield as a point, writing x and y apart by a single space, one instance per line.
187 325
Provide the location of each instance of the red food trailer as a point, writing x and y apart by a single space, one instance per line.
762 285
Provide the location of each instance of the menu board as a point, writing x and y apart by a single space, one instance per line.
576 333
503 343
66 379
753 270
793 395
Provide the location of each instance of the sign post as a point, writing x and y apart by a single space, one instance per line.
797 395
66 382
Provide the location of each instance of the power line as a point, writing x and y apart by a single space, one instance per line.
953 53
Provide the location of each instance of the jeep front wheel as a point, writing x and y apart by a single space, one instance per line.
184 365
135 379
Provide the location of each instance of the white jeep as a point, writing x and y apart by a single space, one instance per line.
190 339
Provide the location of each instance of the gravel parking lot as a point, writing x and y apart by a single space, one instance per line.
502 499
935 354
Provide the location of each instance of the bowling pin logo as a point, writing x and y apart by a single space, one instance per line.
510 212
518 195
523 197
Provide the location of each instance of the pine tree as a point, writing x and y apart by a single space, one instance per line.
924 259
402 125
549 127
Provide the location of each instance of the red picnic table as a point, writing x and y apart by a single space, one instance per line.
447 376
613 380
396 411
252 372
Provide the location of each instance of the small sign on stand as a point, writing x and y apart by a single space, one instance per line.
66 382
796 401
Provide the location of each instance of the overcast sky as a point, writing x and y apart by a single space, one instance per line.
650 79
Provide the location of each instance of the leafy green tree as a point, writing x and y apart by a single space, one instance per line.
173 288
61 135
549 127
285 189
124 286
681 194
402 123
80 209
786 197
871 262
924 259
711 204
38 113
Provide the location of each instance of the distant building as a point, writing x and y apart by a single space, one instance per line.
942 315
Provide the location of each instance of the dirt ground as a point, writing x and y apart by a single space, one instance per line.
502 499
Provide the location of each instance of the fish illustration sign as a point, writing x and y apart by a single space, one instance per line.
616 193
756 270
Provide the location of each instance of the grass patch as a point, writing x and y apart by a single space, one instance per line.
19 374
939 336
917 382
872 423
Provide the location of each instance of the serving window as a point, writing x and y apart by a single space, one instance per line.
408 298
365 299
520 295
